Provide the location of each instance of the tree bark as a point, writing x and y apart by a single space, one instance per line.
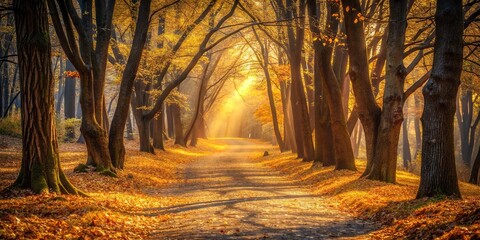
406 154
69 103
265 62
332 93
416 124
177 119
385 155
40 169
368 110
116 144
438 172
81 55
130 135
464 120
301 120
475 169
61 86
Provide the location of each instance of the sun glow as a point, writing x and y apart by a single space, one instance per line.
227 121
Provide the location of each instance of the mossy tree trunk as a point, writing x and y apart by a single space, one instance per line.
40 169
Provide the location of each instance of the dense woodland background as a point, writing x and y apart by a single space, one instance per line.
394 82
357 92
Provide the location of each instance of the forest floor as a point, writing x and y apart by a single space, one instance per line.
115 208
392 206
225 189
231 196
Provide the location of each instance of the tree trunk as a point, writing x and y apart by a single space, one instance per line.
385 155
438 173
353 138
61 87
116 145
344 158
295 10
158 131
7 50
368 110
143 124
416 124
475 169
406 154
464 120
265 62
307 70
177 118
271 101
170 127
130 135
324 144
69 106
93 133
287 124
342 145
40 169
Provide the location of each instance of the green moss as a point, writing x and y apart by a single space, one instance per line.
108 173
81 168
11 126
39 183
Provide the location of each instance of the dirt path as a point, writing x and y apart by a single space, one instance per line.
232 197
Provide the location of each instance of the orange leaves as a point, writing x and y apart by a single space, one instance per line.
72 74
391 205
359 17
127 207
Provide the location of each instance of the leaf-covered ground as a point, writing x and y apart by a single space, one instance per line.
232 196
116 206
391 205
200 192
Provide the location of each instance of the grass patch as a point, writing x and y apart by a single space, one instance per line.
11 126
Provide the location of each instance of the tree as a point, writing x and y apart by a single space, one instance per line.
69 111
116 145
381 126
295 12
141 91
467 124
40 169
329 90
385 159
438 172
475 169
204 47
263 59
90 61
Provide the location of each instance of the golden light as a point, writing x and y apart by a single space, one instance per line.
227 119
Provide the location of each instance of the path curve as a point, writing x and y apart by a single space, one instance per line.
233 197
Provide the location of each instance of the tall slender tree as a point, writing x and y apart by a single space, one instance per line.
116 145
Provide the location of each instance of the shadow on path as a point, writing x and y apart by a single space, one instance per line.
232 197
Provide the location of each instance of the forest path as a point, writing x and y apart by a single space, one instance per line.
232 197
